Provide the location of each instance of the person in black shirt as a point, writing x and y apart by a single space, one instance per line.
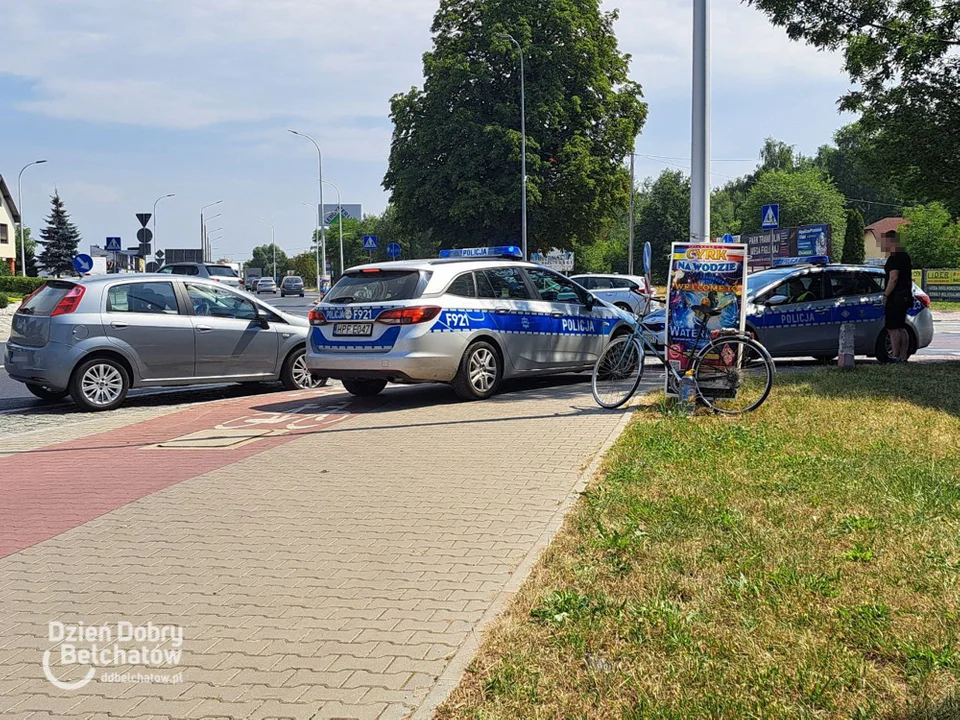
898 298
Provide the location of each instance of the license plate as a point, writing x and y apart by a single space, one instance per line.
353 329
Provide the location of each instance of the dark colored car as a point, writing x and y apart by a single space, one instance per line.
291 285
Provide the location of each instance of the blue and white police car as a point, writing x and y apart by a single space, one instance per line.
795 309
471 318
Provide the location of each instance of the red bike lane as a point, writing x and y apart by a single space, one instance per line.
50 490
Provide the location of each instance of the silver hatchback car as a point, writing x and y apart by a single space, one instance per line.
97 337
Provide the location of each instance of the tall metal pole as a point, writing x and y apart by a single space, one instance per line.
523 146
316 241
700 137
203 235
633 158
323 233
340 216
23 239
162 197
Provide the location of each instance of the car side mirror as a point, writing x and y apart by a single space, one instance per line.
263 322
590 301
776 300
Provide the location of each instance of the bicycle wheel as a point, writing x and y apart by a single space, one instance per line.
733 374
617 372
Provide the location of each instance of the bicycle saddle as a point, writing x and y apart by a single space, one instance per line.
706 311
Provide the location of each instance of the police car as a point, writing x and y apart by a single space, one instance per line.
471 318
796 307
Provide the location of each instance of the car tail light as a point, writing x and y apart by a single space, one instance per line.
638 290
69 301
317 317
923 298
408 315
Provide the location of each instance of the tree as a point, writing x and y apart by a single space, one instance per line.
664 218
902 57
262 257
854 251
305 265
30 251
454 168
932 237
60 239
806 197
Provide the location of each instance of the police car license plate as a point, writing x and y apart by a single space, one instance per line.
353 329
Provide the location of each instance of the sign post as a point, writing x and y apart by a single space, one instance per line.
770 220
648 265
393 251
371 243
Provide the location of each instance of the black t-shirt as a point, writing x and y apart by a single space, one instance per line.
900 261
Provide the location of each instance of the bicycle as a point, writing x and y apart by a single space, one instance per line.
732 372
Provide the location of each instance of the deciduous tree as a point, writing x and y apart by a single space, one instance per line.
932 237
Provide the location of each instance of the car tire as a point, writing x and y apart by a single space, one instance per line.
364 387
301 294
624 306
882 354
99 384
480 372
294 372
45 393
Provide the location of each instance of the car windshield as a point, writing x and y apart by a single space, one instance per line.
375 287
220 271
762 278
46 299
292 280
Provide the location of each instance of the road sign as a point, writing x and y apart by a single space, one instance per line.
152 267
83 263
114 244
370 242
144 235
727 238
393 250
143 249
159 256
647 258
770 217
144 218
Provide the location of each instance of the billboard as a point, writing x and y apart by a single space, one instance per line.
350 212
559 260
702 275
764 247
943 285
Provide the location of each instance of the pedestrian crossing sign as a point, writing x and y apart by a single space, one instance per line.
770 217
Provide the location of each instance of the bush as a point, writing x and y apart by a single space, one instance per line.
4 301
20 285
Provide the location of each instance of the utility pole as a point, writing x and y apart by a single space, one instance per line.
700 136
633 158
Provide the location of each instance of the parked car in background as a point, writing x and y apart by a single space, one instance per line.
471 318
219 273
796 311
627 292
96 338
266 284
291 285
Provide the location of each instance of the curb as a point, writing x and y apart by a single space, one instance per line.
453 673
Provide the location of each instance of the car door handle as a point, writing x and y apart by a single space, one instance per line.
556 314
204 328
119 324
502 311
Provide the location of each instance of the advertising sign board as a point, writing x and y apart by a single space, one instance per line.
706 275
813 240
943 285
559 260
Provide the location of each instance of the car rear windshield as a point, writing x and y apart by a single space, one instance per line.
292 279
360 287
45 299
220 271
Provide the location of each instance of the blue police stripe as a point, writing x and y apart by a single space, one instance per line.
520 323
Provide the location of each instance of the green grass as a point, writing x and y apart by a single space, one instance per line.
945 305
802 562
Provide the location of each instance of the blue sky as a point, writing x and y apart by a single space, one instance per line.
129 101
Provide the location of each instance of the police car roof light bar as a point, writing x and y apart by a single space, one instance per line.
802 260
511 251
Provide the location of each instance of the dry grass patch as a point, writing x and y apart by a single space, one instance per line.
802 562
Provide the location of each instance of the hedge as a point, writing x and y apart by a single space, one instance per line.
3 301
19 284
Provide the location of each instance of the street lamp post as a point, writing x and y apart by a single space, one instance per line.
273 241
23 240
340 219
316 250
323 233
523 145
700 136
162 197
203 236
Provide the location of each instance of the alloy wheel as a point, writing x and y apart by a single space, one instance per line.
483 370
101 384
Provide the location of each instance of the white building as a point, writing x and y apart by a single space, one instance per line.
9 218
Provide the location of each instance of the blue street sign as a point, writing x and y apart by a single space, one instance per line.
647 258
83 263
728 238
114 244
370 242
769 217
393 250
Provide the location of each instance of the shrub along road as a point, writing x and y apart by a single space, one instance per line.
799 562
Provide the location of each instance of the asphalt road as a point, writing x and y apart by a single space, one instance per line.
14 396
